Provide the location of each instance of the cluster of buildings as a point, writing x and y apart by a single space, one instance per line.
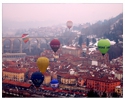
93 71
50 31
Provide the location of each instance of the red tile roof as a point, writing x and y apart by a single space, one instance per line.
77 59
33 64
24 69
33 69
9 63
3 69
47 88
104 79
62 91
68 76
46 74
14 70
22 84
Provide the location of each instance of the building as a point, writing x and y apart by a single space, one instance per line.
102 84
47 79
9 64
13 56
82 81
72 50
59 78
119 75
18 84
119 90
67 79
16 88
98 59
14 74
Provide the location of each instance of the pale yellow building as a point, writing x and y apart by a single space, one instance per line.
13 74
70 80
47 79
72 50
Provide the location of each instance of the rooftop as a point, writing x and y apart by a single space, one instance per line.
69 47
14 70
104 79
14 54
16 83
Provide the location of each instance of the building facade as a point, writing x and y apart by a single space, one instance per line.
72 50
13 74
13 56
99 58
101 85
47 79
119 90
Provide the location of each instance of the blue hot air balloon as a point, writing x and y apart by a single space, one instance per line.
37 79
54 84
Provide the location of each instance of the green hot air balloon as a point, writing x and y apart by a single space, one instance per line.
103 46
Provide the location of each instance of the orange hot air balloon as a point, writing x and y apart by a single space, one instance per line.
42 63
69 24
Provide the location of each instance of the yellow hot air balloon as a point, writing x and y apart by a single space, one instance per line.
42 63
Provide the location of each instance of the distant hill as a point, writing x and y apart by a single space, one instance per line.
100 28
111 29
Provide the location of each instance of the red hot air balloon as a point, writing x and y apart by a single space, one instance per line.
55 44
69 24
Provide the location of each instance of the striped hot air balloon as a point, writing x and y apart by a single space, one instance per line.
25 38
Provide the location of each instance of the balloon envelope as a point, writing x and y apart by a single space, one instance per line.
25 38
55 44
42 63
69 24
103 46
37 78
54 84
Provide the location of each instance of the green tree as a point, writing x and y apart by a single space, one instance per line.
116 39
80 40
114 94
104 95
93 40
87 41
92 94
115 51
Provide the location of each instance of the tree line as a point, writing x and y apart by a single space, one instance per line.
94 94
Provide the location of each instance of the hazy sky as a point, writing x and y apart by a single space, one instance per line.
60 13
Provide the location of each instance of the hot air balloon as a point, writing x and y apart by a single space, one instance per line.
103 46
25 38
55 45
37 79
69 24
42 63
54 84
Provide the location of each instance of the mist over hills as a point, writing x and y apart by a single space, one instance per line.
110 26
99 28
26 24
